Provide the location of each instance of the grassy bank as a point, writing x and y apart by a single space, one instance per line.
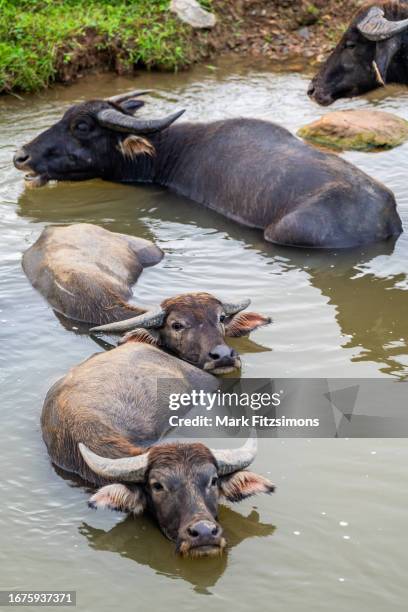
46 40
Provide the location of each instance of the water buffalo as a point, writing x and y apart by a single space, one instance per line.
103 421
86 272
251 171
371 53
192 326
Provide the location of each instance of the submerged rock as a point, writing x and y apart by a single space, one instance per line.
192 13
360 130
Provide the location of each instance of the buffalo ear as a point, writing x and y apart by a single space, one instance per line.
132 105
244 323
119 497
239 485
141 335
384 54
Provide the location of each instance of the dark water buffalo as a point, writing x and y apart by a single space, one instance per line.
86 272
251 171
102 422
372 52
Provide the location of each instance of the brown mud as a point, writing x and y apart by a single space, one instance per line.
280 29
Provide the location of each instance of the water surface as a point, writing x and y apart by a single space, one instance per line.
333 536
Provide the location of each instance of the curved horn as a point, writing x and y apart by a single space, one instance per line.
151 318
231 308
128 469
126 96
229 461
376 27
120 122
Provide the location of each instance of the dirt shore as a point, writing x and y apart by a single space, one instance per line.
277 29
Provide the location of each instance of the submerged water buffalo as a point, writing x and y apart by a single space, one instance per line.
86 272
102 422
251 171
371 53
193 327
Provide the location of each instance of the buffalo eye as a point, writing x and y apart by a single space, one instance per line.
82 127
222 318
177 326
214 481
156 486
350 44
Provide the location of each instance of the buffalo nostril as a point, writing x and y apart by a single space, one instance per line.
193 532
21 157
221 351
311 90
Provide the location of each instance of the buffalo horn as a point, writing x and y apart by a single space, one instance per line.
376 27
231 308
115 120
126 96
149 319
229 461
126 469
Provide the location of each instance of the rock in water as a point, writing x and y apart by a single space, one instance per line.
360 130
192 13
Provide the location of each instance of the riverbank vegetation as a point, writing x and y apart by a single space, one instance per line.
46 40
43 41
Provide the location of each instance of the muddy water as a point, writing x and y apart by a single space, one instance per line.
333 536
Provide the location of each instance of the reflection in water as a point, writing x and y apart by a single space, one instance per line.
77 327
139 539
368 308
370 311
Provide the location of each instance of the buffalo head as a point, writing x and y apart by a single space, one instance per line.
193 327
94 139
361 60
180 485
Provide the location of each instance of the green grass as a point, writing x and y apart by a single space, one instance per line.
39 37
